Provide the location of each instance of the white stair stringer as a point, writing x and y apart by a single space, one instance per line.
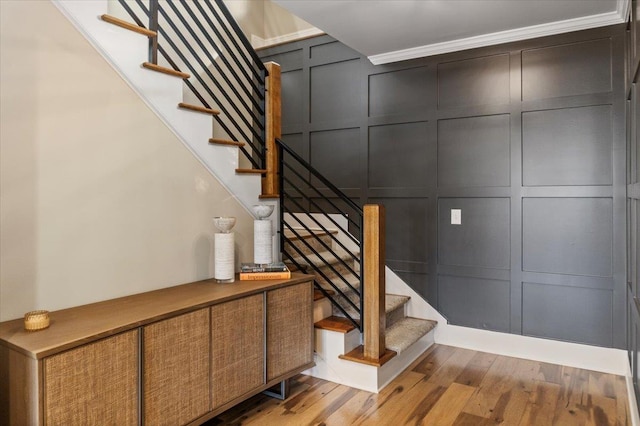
125 51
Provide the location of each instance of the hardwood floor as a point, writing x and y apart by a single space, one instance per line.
450 386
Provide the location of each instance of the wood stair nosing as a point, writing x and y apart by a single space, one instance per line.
334 323
216 141
251 171
197 108
164 70
128 25
269 196
357 355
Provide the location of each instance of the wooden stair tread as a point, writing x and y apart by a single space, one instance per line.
217 141
333 323
164 70
197 108
251 171
128 25
269 196
357 355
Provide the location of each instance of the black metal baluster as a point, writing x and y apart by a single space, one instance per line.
153 26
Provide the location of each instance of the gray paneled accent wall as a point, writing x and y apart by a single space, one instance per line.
632 91
526 140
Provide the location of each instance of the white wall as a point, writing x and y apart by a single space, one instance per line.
98 199
266 23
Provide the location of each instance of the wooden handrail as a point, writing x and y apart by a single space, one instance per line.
374 281
273 113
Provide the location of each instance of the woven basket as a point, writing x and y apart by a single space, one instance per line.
36 320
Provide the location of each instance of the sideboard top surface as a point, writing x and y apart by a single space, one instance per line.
78 325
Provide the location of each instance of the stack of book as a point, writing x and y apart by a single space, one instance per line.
271 271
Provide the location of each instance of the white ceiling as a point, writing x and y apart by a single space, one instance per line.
395 30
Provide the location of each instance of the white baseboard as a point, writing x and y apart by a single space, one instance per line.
605 360
633 405
401 362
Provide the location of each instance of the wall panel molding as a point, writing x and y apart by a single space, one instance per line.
465 131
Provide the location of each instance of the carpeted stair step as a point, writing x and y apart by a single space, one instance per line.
304 239
406 332
394 306
343 287
337 268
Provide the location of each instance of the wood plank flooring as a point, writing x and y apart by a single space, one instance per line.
450 386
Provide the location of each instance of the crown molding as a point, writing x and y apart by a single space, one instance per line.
610 18
623 8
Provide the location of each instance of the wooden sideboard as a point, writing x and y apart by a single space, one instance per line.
179 355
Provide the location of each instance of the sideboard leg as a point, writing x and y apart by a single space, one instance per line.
279 391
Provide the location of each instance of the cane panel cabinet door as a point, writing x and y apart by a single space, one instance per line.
176 369
289 329
237 348
93 384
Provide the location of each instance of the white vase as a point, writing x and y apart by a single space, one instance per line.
223 255
262 233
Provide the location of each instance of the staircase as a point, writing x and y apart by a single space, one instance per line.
405 336
210 125
233 130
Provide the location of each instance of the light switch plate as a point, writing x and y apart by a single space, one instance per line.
456 216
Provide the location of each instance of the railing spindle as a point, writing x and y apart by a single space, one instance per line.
242 117
153 26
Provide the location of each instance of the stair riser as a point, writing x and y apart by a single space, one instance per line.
322 309
337 312
394 316
313 242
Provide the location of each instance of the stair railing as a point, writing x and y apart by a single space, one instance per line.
202 38
310 202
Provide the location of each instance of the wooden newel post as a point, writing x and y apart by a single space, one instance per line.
273 115
374 281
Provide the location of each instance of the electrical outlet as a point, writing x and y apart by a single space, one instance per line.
456 216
